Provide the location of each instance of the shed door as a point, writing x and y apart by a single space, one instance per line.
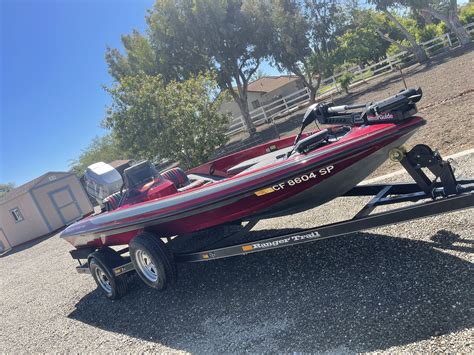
66 205
4 244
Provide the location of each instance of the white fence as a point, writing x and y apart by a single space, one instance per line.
329 86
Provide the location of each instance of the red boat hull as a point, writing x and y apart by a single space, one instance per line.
299 183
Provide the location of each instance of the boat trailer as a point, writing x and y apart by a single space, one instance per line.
441 193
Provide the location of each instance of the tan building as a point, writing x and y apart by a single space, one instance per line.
265 90
41 206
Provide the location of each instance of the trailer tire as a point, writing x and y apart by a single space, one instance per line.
153 261
101 264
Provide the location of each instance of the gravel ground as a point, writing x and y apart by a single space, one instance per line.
395 289
403 288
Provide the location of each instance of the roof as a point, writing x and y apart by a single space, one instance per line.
22 189
267 84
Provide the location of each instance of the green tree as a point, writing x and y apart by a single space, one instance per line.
139 57
443 10
178 120
104 148
304 37
152 55
466 14
222 36
427 32
386 6
361 45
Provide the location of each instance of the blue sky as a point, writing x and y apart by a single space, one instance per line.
52 70
51 75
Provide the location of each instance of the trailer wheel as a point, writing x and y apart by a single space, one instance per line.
153 261
101 264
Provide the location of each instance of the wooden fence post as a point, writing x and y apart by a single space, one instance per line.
389 62
449 39
335 83
242 122
264 114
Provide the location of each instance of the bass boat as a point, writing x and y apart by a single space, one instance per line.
175 216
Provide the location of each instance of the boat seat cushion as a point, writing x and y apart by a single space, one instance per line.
177 176
181 180
192 185
112 202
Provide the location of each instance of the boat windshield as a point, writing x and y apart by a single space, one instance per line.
140 174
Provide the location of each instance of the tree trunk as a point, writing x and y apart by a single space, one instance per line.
307 77
313 87
461 33
415 48
244 110
452 21
241 99
312 94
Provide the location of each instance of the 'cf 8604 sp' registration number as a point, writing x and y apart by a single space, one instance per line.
296 181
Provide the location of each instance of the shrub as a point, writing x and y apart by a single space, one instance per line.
466 14
344 80
428 32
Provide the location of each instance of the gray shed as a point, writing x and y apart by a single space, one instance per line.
40 207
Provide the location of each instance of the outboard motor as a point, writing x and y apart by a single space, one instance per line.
102 180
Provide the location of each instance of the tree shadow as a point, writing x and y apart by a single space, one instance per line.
447 240
362 292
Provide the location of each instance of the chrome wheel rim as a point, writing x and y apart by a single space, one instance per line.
146 265
103 280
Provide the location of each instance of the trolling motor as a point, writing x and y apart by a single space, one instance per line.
394 109
391 110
